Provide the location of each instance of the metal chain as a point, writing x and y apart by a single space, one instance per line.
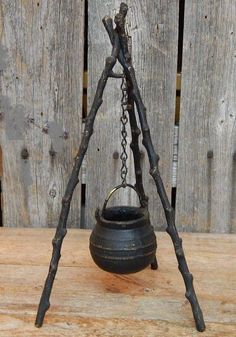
124 121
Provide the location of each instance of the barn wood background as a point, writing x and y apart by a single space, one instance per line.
46 50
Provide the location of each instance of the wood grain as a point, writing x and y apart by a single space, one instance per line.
153 27
89 302
41 102
206 190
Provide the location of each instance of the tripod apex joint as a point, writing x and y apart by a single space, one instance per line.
120 52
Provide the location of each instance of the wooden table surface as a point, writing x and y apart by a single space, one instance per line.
89 302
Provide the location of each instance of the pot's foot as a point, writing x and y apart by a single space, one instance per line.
154 264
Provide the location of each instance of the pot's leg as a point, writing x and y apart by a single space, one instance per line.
169 212
154 264
73 181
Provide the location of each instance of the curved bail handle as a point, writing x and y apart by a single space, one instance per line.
117 188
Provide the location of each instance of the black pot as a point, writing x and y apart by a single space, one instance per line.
123 240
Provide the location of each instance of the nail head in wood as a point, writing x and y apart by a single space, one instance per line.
52 153
24 153
210 154
116 155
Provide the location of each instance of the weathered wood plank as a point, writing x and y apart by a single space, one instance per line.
153 27
89 302
41 103
206 191
0 162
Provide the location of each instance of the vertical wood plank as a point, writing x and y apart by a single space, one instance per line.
41 93
0 163
206 185
153 27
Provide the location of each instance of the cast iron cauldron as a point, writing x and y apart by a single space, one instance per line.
123 240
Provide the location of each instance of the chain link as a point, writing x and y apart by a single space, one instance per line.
124 121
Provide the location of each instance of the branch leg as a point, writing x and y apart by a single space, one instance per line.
135 132
73 181
169 212
177 242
